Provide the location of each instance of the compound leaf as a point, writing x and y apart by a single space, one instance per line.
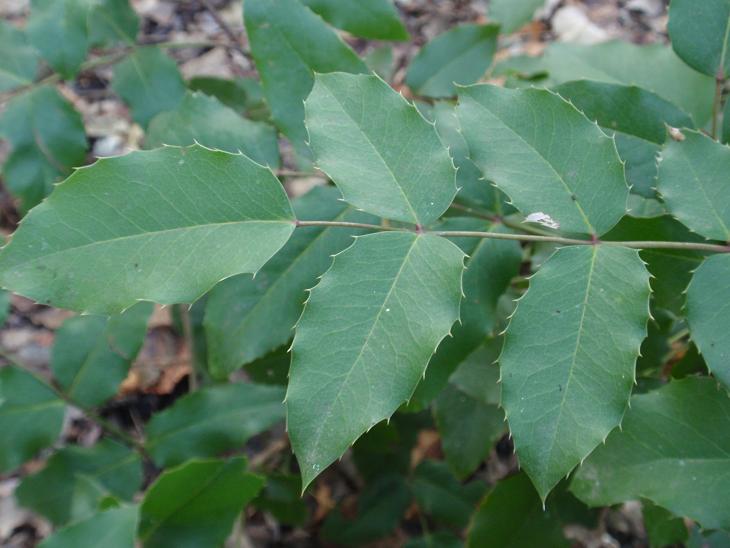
673 449
374 19
57 28
693 183
708 314
213 420
163 225
365 338
378 149
458 56
112 22
568 360
546 156
699 32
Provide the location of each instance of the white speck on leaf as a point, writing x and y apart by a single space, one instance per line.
543 219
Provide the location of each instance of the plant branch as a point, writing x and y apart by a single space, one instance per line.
717 103
650 244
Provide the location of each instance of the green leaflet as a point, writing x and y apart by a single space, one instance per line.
91 354
48 139
112 22
512 14
699 32
512 516
673 449
196 504
365 337
289 44
212 421
206 121
377 148
57 29
567 365
692 182
113 528
708 313
653 67
76 479
662 527
164 225
636 117
551 161
19 62
31 417
374 19
459 56
245 317
149 82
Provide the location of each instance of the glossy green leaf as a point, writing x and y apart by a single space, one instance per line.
365 338
76 479
19 62
567 365
374 19
708 313
205 120
289 44
671 268
692 182
164 226
459 56
636 117
213 420
662 527
31 417
550 160
112 528
378 149
380 506
149 82
196 504
440 495
57 29
699 32
245 317
513 14
512 516
91 354
673 449
112 22
654 67
232 93
47 138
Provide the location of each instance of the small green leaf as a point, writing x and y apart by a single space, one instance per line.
232 93
365 337
378 149
568 360
57 28
673 449
212 421
76 479
280 497
289 44
19 62
149 82
112 22
699 33
692 182
374 19
636 117
91 354
113 528
164 225
662 527
513 14
31 417
459 56
47 138
245 317
512 516
708 314
576 182
196 504
440 495
206 121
